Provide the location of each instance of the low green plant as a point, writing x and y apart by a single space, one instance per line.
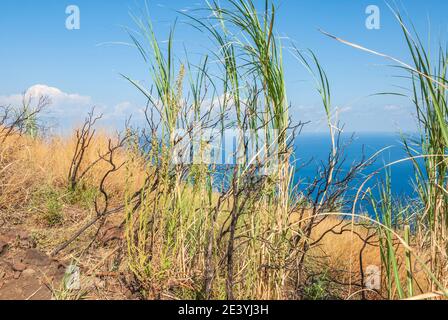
49 201
393 217
83 196
53 215
318 288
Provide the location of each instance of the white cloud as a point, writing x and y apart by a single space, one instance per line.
123 111
11 100
67 109
123 108
61 102
57 96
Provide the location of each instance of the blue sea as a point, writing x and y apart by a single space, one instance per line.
312 151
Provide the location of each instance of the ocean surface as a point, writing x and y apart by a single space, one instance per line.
312 150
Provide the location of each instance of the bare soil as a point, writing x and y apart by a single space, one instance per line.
26 273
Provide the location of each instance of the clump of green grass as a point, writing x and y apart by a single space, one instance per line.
53 215
387 213
83 196
317 288
30 125
428 74
430 96
49 202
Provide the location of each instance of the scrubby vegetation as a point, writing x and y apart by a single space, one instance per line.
126 209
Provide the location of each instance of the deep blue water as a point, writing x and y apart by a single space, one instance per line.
313 149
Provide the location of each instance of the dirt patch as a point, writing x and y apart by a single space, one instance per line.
26 273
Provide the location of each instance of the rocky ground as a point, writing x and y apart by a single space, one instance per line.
26 273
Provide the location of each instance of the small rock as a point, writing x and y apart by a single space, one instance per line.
23 235
8 236
3 247
28 273
18 266
25 288
36 258
24 241
17 274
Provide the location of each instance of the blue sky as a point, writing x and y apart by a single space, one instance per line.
81 68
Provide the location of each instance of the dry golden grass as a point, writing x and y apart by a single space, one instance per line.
340 250
27 164
30 167
17 172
